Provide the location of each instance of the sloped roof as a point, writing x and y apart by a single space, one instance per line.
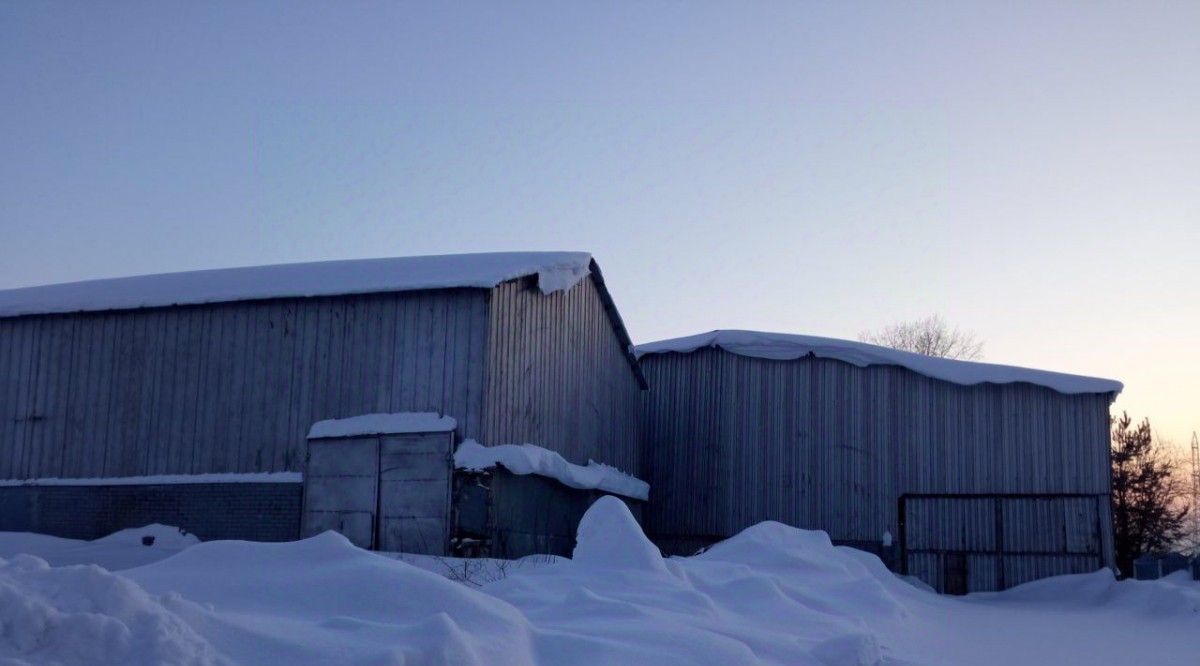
555 270
786 346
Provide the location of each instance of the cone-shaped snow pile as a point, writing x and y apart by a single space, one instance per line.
609 537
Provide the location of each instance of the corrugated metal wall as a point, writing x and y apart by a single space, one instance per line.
558 376
1008 540
228 387
823 444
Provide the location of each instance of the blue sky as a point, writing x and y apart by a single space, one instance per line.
1029 172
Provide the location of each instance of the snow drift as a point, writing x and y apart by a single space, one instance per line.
323 600
772 594
83 614
120 550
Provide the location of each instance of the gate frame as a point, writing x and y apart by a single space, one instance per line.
998 499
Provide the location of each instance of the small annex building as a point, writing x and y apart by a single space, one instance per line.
970 476
270 402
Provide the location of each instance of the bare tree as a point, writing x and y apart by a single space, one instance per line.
930 336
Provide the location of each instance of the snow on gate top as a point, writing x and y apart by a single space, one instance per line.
556 271
786 346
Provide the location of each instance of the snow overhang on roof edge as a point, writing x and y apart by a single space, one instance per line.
785 346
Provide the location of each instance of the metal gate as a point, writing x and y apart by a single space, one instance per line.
414 493
390 492
966 542
341 487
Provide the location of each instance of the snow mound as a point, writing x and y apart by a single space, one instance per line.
609 537
531 459
119 550
1100 589
86 615
474 571
849 650
810 571
161 536
323 600
771 595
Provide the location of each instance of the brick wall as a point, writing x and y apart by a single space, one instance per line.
249 511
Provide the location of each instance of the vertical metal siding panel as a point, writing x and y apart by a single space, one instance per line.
45 445
25 358
43 349
384 341
29 395
8 386
439 327
475 372
100 414
457 372
269 399
179 388
374 355
329 364
210 446
344 399
130 390
557 375
55 443
200 412
246 414
292 443
278 401
159 426
190 341
405 353
144 440
290 453
422 351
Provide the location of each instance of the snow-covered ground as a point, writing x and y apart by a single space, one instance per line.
770 595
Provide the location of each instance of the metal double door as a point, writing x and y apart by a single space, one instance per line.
388 493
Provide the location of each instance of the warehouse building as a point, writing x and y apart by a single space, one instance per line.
476 405
970 476
192 399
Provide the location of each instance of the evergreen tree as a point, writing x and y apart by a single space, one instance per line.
1148 516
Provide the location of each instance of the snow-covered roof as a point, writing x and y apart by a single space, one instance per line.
530 459
382 424
556 271
786 346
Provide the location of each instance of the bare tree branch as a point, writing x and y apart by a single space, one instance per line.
930 336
